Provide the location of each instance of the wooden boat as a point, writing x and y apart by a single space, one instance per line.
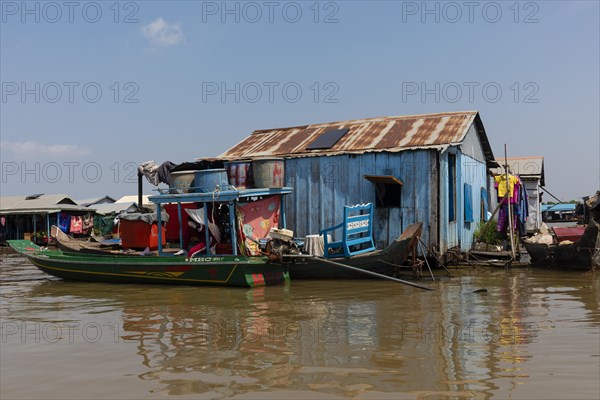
385 261
539 252
75 259
570 256
68 244
222 270
83 260
578 254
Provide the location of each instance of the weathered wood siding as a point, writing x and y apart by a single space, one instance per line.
323 185
471 171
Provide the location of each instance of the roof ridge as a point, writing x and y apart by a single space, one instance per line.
366 120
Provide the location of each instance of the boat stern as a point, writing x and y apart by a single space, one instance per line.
276 275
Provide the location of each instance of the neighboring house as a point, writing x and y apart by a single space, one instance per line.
531 171
116 208
134 199
95 201
431 168
558 212
21 216
104 223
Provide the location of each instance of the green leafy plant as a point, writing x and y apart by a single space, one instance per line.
38 237
486 233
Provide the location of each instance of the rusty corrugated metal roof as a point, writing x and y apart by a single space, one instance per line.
391 134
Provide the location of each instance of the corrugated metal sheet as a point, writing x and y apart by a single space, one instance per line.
559 207
413 149
95 200
116 208
389 134
43 203
323 185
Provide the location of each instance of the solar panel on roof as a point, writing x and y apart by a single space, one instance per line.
33 196
327 139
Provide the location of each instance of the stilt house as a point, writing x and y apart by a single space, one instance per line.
432 168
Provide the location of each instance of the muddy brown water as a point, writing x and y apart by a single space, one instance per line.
534 334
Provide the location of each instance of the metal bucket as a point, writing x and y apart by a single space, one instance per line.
207 180
240 173
268 172
180 182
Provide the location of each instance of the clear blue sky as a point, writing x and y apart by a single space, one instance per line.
366 56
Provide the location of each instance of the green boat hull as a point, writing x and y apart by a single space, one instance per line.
219 270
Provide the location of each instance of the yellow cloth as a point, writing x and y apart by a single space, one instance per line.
501 181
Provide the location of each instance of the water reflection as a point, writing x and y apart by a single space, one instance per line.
351 339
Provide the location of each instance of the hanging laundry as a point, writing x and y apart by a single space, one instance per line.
501 184
64 222
515 195
88 223
502 218
76 224
518 200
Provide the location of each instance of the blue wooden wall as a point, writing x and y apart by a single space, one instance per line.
473 172
323 185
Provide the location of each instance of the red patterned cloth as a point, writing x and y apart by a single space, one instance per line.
76 224
256 219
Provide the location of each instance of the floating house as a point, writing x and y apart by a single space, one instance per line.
432 168
531 171
23 216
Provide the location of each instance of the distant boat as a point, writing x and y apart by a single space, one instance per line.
579 254
220 270
68 244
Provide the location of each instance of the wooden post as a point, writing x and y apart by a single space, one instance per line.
413 250
206 232
233 228
180 225
159 223
140 204
510 214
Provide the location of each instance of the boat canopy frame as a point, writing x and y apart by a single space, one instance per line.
230 196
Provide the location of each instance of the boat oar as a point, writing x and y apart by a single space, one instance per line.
375 274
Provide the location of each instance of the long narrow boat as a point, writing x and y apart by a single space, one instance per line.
221 270
385 261
242 267
71 245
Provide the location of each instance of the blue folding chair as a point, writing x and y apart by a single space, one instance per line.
357 233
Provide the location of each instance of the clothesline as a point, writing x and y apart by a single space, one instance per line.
517 199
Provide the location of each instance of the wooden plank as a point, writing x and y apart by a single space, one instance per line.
290 201
354 178
431 235
338 176
301 199
314 196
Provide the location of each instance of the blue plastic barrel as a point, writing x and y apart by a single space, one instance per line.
207 180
